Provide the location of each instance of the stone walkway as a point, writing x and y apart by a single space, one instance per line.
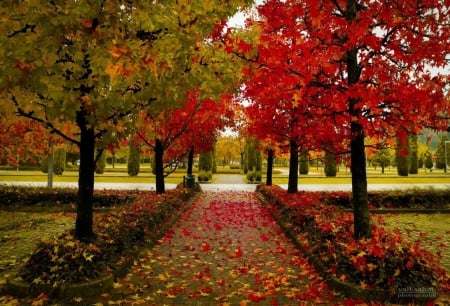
226 250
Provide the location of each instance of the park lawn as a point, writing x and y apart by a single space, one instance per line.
177 177
72 176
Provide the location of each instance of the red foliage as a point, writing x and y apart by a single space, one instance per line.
383 261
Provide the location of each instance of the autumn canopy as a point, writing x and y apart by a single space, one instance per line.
326 75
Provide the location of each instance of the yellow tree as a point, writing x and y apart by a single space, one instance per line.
93 64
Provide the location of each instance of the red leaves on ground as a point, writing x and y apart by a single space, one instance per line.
226 249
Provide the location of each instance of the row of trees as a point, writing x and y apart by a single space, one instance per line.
326 75
98 72
316 75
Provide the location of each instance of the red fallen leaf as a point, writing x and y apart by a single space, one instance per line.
206 247
205 291
256 296
186 232
218 227
264 237
221 283
169 234
237 253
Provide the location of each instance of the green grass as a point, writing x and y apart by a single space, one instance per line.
72 176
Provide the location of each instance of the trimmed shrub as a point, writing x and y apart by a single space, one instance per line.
134 159
303 164
101 164
330 164
204 176
254 176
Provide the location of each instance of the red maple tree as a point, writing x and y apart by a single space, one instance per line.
363 68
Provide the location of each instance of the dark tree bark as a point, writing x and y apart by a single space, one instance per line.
190 161
293 166
84 220
361 223
269 167
159 167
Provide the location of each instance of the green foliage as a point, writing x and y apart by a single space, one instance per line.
413 154
254 176
402 157
382 158
101 163
303 164
134 159
440 152
59 162
30 198
428 163
330 167
205 161
410 198
204 176
253 156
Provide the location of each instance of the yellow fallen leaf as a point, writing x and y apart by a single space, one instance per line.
169 285
78 299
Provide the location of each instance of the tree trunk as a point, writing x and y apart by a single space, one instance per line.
84 220
361 216
159 167
269 167
293 166
190 161
361 223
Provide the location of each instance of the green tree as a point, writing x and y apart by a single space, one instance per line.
100 165
303 163
253 156
440 152
330 167
413 154
205 161
134 158
402 159
59 161
382 157
428 163
81 68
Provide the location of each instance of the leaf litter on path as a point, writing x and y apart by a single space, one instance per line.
225 250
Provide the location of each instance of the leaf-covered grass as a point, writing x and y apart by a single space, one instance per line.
119 232
385 261
20 233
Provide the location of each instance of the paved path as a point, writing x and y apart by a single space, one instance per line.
226 248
